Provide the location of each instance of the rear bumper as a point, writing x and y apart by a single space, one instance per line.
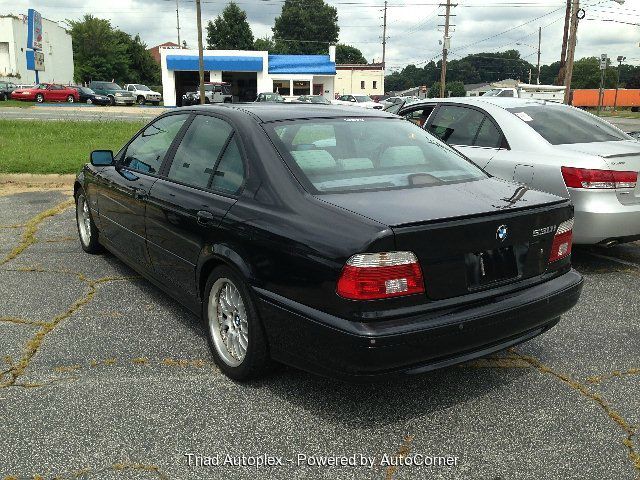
601 217
338 348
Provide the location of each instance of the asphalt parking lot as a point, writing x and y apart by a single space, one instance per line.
104 377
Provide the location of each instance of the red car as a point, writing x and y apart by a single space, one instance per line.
46 92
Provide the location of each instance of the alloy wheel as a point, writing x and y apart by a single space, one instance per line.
84 219
228 323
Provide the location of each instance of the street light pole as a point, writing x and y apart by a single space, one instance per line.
200 54
620 60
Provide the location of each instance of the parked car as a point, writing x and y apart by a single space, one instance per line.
214 92
358 100
550 147
270 97
46 92
143 94
86 95
5 90
115 92
550 93
386 255
320 99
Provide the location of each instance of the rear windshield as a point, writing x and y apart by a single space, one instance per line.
560 124
354 154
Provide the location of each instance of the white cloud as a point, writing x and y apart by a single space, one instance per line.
412 25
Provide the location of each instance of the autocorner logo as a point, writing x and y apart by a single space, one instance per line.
502 232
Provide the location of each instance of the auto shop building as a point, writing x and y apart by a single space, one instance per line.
248 72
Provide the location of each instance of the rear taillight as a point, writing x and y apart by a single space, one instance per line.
371 276
588 178
561 246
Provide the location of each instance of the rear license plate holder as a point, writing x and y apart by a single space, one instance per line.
491 266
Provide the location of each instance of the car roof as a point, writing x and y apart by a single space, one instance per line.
502 102
270 112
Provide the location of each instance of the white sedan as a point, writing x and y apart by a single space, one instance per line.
358 100
550 147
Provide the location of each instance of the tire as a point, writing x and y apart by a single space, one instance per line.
4 97
89 101
141 100
206 100
112 99
155 104
39 98
87 230
227 353
70 99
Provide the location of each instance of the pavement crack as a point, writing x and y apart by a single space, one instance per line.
31 227
629 430
22 321
596 379
402 452
33 345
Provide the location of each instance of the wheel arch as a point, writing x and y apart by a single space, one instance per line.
216 255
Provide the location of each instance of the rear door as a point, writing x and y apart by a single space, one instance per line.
123 190
187 205
470 130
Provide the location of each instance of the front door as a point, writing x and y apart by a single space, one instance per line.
318 88
186 208
123 189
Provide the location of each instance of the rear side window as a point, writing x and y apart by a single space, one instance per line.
488 135
561 124
354 154
146 152
229 175
456 125
195 159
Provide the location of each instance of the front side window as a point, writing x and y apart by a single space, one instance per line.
146 152
561 124
419 116
456 125
195 159
506 93
363 98
353 154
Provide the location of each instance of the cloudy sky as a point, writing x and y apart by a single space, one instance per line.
412 25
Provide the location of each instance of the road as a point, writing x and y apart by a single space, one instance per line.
81 113
105 377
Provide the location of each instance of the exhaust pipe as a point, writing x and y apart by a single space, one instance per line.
609 243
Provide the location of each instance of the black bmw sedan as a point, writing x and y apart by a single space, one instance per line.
86 95
346 242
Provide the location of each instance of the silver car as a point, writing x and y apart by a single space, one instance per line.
550 147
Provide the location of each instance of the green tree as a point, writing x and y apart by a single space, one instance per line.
455 89
141 67
264 43
230 30
434 90
586 74
306 27
99 53
349 54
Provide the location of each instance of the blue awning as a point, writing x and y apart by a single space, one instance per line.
304 64
215 62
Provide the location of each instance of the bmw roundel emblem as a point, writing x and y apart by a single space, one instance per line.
502 232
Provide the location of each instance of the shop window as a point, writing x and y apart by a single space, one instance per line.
362 85
281 87
301 88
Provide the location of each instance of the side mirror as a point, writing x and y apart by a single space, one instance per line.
101 158
352 100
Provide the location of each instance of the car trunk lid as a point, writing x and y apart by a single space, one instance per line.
455 231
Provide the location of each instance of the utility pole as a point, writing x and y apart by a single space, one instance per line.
539 42
571 49
200 54
384 34
178 23
565 37
445 47
620 60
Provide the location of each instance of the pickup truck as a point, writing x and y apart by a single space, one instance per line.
143 94
116 94
550 93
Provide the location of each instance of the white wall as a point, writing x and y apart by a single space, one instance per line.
348 81
56 46
264 83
